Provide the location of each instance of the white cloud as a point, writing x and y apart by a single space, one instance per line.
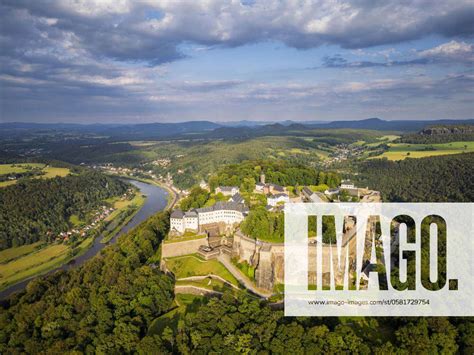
450 51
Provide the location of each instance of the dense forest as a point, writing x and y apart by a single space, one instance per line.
276 171
440 134
447 178
104 306
108 304
32 208
229 326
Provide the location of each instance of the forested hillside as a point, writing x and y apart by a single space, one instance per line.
108 305
435 179
276 171
32 208
441 134
104 306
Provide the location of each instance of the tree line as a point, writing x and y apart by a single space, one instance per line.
108 304
446 178
104 306
38 209
278 172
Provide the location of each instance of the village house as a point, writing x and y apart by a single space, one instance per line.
312 196
274 200
264 188
227 190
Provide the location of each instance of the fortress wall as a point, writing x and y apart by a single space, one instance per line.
182 248
244 247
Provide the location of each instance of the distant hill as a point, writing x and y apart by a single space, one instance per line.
208 129
447 129
382 125
121 131
441 134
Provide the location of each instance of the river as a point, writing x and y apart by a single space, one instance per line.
157 199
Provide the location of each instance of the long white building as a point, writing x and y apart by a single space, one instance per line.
229 213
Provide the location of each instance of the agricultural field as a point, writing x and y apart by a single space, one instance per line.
6 169
400 151
15 253
31 263
34 168
192 265
51 172
17 264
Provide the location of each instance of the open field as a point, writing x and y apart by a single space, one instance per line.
18 168
7 183
14 253
400 151
192 265
32 263
51 172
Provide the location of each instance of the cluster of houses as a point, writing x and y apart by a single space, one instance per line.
98 217
162 162
344 152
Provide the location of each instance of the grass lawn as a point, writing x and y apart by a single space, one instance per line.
192 265
32 263
13 253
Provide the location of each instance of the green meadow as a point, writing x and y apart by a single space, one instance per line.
400 151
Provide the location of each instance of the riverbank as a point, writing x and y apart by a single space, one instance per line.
173 194
156 201
124 212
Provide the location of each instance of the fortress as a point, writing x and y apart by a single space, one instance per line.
228 213
221 238
267 258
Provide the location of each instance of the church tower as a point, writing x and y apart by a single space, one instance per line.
262 178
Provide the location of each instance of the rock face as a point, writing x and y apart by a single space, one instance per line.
269 258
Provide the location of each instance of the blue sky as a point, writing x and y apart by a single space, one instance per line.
164 61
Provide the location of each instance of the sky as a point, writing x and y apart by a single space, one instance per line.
124 61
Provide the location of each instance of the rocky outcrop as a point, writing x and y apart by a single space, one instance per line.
442 130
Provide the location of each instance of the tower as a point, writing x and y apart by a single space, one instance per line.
262 178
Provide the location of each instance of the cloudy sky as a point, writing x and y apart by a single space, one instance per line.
157 60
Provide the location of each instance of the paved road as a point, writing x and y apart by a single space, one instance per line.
242 279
